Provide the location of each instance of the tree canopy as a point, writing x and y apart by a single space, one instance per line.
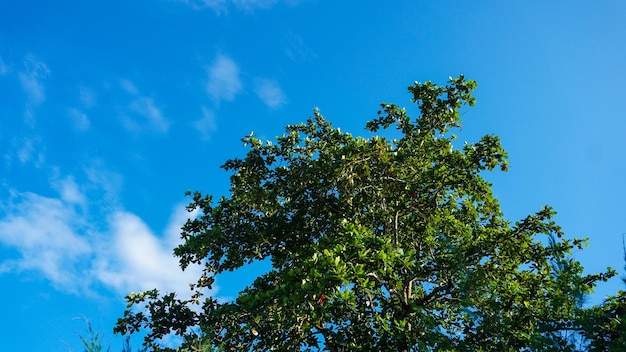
375 244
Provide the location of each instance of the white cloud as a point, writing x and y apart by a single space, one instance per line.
206 125
32 78
224 82
140 260
269 92
143 260
69 191
45 231
60 238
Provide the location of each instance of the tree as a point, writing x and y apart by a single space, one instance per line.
604 326
375 244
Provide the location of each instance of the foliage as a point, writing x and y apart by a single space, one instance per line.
604 326
375 244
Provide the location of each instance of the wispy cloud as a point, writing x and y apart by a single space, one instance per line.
250 5
224 82
80 119
87 97
218 6
103 185
27 150
144 107
31 79
269 92
4 68
222 6
129 87
296 48
87 100
206 125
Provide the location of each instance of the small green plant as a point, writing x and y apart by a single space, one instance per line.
93 341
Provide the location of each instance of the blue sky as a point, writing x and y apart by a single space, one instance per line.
111 110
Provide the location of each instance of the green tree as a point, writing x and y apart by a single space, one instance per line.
375 244
604 326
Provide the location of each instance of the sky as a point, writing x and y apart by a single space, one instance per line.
111 110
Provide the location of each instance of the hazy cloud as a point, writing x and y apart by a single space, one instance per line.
296 49
87 100
249 5
87 97
103 185
28 150
222 6
129 87
69 191
31 79
4 68
206 125
269 92
218 6
146 108
80 119
224 82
